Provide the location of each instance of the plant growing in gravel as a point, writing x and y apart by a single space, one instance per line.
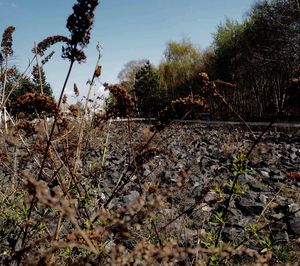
266 245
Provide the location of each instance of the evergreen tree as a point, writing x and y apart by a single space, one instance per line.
40 83
149 96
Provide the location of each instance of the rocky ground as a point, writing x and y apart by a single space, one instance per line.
178 165
194 156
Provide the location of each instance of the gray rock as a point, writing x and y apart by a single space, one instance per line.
294 226
293 156
131 197
249 206
232 234
147 172
257 186
293 208
280 237
277 216
265 174
211 197
263 199
277 177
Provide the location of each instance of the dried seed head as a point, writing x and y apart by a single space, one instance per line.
7 41
99 119
64 99
47 58
74 109
26 126
36 102
76 90
97 72
81 21
179 109
8 72
46 43
80 24
124 103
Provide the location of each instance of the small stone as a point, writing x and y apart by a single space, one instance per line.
211 197
294 226
256 186
206 208
293 156
277 216
277 177
280 237
248 206
147 172
131 197
265 174
293 208
263 199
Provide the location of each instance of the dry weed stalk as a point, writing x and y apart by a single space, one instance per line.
79 25
83 117
213 87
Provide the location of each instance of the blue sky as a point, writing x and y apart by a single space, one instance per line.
127 30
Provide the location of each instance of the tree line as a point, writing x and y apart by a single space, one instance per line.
259 55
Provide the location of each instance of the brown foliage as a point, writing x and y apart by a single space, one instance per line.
80 24
8 72
38 102
74 109
76 90
46 43
47 58
7 41
181 108
26 126
124 103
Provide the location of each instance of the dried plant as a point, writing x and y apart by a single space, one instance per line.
76 90
34 102
75 110
80 24
6 73
64 99
7 41
26 126
124 103
47 58
48 42
180 109
98 71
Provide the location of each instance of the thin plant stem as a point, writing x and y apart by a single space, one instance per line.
81 127
44 159
39 69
